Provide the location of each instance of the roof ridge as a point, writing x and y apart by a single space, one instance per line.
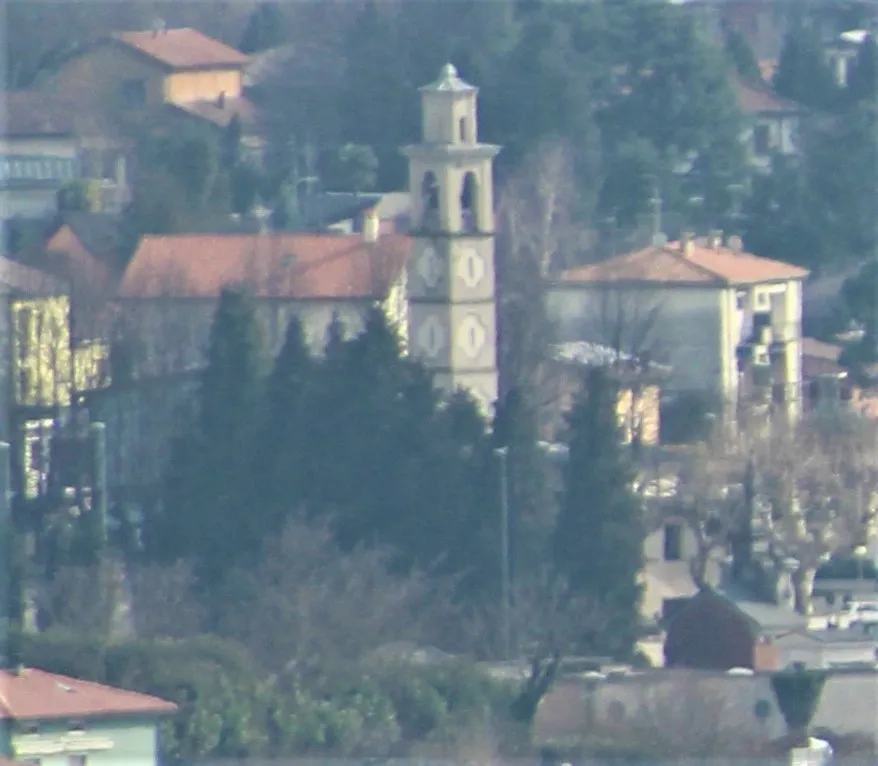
683 258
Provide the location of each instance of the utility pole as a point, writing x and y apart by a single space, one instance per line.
99 485
505 589
5 552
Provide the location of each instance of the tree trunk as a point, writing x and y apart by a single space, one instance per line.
803 585
698 568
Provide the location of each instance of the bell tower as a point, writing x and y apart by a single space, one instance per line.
451 275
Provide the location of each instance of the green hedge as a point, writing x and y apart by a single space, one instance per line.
229 709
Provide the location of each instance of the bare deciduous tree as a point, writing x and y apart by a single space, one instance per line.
306 603
820 485
164 601
536 235
707 501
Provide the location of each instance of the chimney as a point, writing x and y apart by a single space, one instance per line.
371 225
715 239
687 242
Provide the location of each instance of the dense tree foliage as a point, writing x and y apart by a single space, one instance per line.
209 478
598 545
803 73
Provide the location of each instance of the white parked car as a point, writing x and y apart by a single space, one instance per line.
861 613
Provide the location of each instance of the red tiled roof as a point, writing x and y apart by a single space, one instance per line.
64 255
32 113
183 48
755 98
36 694
297 266
670 265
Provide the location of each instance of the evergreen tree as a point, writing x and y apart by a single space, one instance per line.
282 448
209 485
598 545
265 29
741 55
863 77
373 66
803 73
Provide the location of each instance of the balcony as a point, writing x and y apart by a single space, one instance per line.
784 332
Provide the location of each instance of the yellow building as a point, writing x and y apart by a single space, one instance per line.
137 72
42 367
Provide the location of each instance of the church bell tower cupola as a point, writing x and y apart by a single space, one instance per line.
451 279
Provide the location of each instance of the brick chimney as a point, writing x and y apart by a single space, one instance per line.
687 242
371 225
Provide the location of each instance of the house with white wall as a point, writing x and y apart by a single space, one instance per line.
727 322
773 123
53 720
39 154
828 648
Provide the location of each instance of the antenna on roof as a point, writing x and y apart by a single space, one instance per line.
656 203
261 213
158 26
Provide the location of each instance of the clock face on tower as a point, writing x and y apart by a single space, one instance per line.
471 267
430 267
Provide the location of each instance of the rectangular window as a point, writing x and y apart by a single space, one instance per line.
25 332
673 542
77 760
741 300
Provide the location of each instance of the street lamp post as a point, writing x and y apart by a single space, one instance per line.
860 553
505 596
5 551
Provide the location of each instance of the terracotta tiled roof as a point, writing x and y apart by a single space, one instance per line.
36 694
183 48
756 98
700 266
66 257
32 113
297 266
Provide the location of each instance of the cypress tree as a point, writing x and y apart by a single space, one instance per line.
599 536
803 74
209 486
282 450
